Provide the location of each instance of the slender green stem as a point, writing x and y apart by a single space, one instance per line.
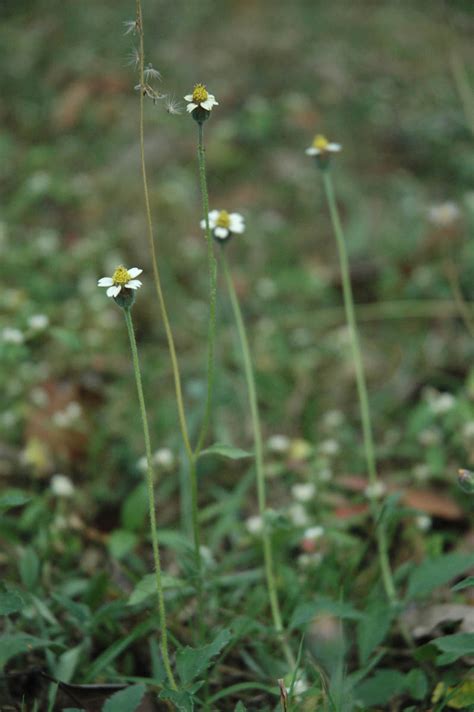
463 86
151 500
212 266
360 377
151 244
164 312
464 310
197 546
259 463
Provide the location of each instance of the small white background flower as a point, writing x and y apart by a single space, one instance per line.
122 278
224 224
12 336
62 486
321 145
38 322
303 492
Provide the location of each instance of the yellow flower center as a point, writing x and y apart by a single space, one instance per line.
200 94
121 276
223 219
320 142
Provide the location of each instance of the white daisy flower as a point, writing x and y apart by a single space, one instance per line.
200 98
376 490
254 524
297 515
12 336
306 561
468 430
423 522
62 486
38 322
439 403
304 492
321 146
278 443
224 224
313 533
444 215
329 447
164 457
122 278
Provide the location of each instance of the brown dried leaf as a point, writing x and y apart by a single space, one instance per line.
436 504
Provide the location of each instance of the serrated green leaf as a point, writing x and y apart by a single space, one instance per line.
29 568
305 612
18 644
10 602
459 643
117 648
125 700
67 663
121 542
192 662
417 684
372 629
466 583
13 498
147 587
134 510
437 572
381 688
182 699
447 659
233 453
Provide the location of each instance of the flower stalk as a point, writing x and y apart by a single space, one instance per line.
259 462
151 499
151 242
212 268
190 452
360 380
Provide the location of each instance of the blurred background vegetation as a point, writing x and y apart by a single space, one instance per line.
376 76
389 81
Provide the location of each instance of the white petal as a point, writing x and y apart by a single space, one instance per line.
105 282
212 99
221 232
112 291
134 272
212 217
236 216
237 227
208 104
133 284
191 107
203 224
188 97
312 151
334 147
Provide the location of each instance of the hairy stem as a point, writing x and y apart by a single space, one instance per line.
360 379
259 463
151 500
151 244
212 267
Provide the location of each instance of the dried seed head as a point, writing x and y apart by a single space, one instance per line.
150 74
130 26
